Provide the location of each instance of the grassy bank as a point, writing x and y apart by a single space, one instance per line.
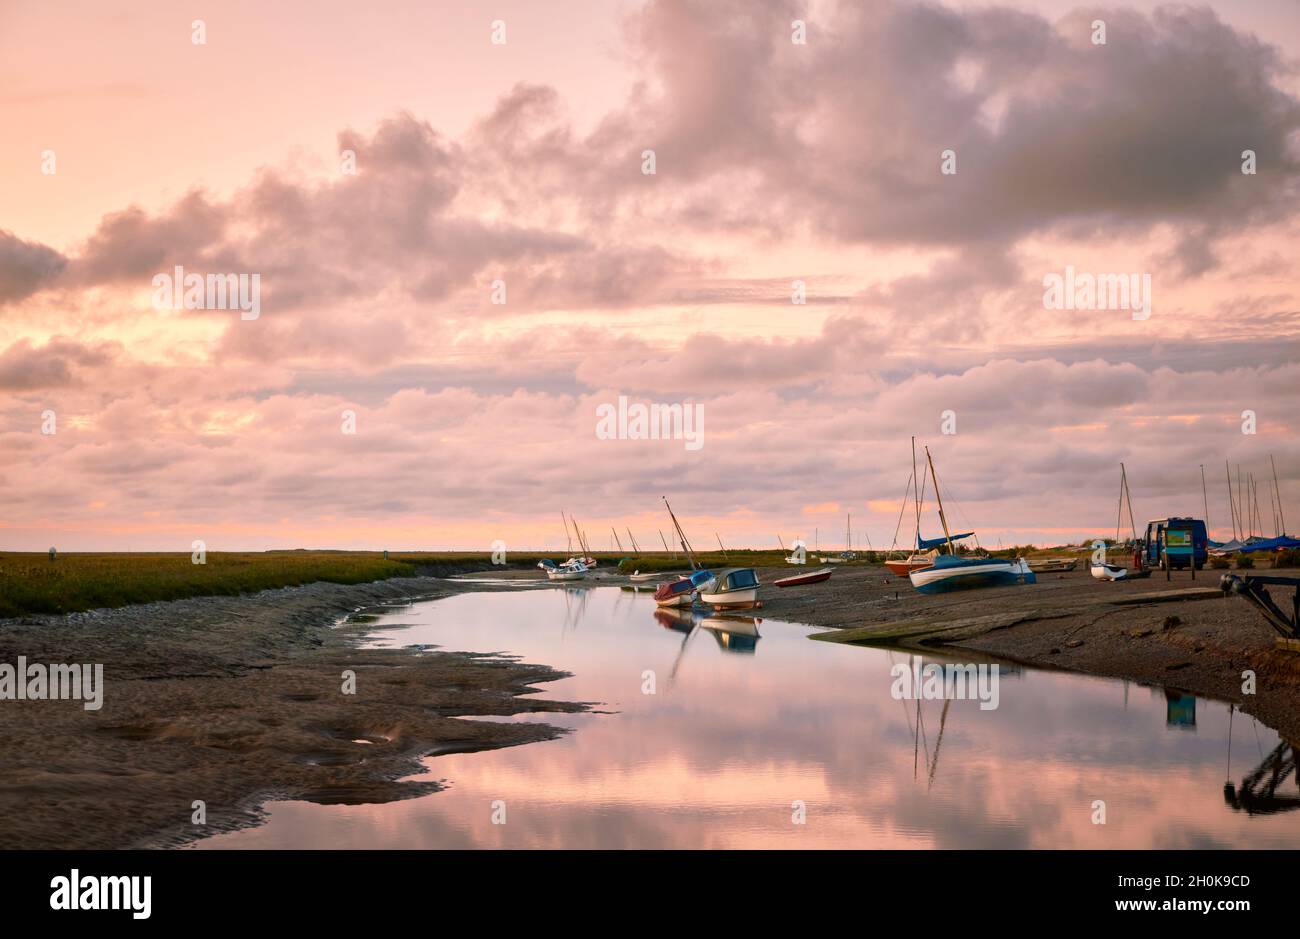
32 583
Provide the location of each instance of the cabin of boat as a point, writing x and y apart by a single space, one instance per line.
735 588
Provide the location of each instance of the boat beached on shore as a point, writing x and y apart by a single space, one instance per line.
798 580
954 572
681 592
735 588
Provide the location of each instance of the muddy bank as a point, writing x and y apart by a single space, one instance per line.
236 701
1179 633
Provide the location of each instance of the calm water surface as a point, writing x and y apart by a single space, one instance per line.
750 717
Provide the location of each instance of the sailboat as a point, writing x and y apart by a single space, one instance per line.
572 569
681 592
950 572
1103 570
927 549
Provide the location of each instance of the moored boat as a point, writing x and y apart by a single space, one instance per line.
1052 565
735 588
681 592
572 569
798 580
913 562
950 572
1109 572
954 572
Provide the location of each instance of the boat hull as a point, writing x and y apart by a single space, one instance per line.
798 580
1109 572
745 599
1053 565
903 568
969 574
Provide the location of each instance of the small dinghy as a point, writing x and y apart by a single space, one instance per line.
1109 572
638 578
681 592
798 580
1053 565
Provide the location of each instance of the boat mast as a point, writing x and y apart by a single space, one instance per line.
1231 508
1128 495
686 545
567 540
722 549
916 496
665 541
1205 499
616 541
938 498
1280 517
1119 512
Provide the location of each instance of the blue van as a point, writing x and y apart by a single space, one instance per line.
1175 543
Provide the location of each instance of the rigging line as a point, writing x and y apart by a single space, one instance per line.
899 526
954 502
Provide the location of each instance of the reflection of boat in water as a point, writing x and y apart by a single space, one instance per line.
734 633
677 619
639 588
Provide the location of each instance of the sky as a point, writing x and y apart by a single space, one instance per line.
463 256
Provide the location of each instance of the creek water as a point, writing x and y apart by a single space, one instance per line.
756 736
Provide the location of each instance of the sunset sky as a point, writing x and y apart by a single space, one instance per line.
129 149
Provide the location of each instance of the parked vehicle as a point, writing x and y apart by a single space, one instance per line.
1175 543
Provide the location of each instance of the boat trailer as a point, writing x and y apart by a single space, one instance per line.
1253 589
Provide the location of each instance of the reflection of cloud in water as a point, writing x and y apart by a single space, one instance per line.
716 758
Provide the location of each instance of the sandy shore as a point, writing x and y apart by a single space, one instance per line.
237 701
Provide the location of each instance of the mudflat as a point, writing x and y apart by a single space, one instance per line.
235 701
